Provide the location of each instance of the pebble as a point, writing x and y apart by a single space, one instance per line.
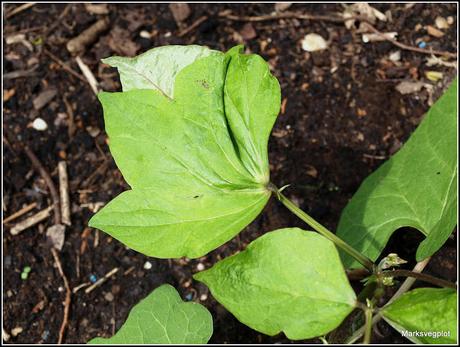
109 297
203 297
441 23
39 124
422 44
147 265
16 331
313 42
60 289
200 267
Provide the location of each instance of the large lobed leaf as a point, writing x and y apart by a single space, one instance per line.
417 187
287 280
425 311
197 163
163 318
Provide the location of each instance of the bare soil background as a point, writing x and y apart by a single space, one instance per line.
341 118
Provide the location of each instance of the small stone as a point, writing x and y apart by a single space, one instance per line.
9 293
16 331
60 289
450 20
248 32
145 34
39 124
203 297
56 235
395 56
93 131
147 265
109 297
282 6
441 23
200 267
313 42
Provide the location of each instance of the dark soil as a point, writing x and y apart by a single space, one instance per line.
335 128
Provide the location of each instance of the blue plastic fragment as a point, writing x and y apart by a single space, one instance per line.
189 297
422 44
92 278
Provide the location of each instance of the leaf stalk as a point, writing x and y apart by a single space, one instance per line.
322 229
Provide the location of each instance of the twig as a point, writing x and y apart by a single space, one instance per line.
19 213
49 182
420 276
32 220
378 157
68 295
58 20
64 193
88 74
78 44
64 65
193 26
285 15
69 109
80 286
99 171
102 280
19 9
407 47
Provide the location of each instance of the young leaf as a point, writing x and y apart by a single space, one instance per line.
163 318
417 187
287 280
197 164
156 68
425 311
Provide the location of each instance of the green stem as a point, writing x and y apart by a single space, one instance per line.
323 230
368 326
420 276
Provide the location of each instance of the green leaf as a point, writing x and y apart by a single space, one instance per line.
163 318
197 164
425 310
287 280
156 68
417 188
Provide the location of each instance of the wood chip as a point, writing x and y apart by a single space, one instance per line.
282 6
97 9
409 87
32 220
44 98
56 235
431 30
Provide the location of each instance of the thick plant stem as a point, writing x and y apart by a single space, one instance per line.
324 231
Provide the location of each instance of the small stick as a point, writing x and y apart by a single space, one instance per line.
71 127
78 44
19 213
64 193
378 157
127 272
88 74
102 280
286 15
193 26
49 182
420 276
99 171
19 9
410 48
64 65
68 294
32 220
80 286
